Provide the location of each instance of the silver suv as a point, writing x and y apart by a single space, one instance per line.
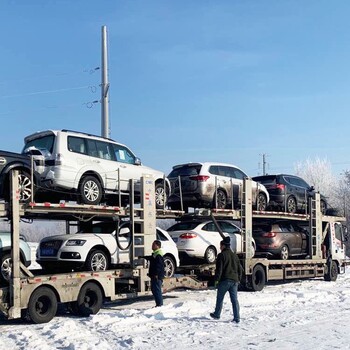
213 185
93 167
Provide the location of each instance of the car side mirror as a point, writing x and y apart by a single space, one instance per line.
312 188
137 161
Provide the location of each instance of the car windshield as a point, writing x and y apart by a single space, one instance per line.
265 180
180 226
101 227
44 142
186 170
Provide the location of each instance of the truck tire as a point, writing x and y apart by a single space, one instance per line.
42 306
90 190
169 266
332 271
258 279
89 300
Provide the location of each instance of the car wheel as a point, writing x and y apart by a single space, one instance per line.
323 207
210 255
5 269
42 306
284 253
220 200
97 260
261 202
161 195
90 190
291 206
89 300
25 187
169 266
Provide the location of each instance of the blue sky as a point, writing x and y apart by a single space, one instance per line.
190 80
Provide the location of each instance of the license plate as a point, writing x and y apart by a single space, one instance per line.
47 252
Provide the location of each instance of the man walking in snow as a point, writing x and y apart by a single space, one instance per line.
156 271
227 276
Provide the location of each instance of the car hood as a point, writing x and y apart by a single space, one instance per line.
87 236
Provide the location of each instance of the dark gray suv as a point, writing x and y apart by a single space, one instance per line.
289 193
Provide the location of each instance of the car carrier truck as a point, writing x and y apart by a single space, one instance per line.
36 297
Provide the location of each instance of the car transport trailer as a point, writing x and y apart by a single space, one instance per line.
37 297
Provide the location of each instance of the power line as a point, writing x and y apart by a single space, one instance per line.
46 92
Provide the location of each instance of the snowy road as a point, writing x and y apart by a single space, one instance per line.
297 315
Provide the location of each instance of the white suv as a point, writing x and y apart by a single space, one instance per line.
214 185
98 248
91 166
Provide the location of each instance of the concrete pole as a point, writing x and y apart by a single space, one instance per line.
105 132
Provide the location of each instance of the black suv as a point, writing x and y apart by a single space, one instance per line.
289 193
16 161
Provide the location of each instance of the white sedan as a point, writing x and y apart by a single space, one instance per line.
201 239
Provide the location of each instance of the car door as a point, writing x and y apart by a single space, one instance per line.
104 163
300 239
300 190
211 236
129 167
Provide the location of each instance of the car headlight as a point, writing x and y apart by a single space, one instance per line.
75 242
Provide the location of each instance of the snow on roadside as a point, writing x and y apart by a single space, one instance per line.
295 315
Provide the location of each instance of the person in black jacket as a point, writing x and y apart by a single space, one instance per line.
156 271
227 276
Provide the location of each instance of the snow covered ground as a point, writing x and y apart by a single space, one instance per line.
305 314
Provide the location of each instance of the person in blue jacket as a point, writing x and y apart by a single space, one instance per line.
156 271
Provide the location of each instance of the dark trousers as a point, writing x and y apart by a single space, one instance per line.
156 288
224 287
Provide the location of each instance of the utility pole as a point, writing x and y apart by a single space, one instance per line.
264 163
105 132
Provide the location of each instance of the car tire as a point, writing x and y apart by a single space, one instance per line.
90 190
97 260
169 266
161 195
5 269
284 253
220 200
42 306
210 255
89 300
291 205
261 202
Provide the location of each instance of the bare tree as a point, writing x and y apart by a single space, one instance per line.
318 173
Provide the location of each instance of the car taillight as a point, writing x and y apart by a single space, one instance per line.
269 234
279 186
188 235
201 178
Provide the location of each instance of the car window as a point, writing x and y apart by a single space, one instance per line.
180 226
161 236
209 227
338 232
239 174
265 180
226 227
214 169
103 150
186 170
286 228
45 142
123 155
76 144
